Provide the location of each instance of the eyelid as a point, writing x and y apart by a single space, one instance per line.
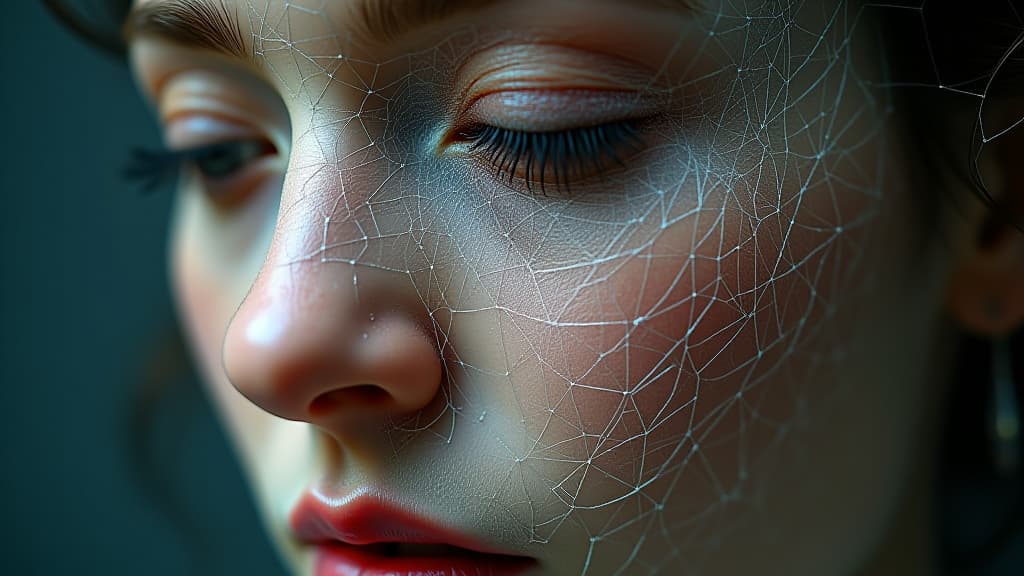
557 110
201 107
546 87
549 67
186 131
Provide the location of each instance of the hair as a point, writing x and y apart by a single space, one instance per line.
973 50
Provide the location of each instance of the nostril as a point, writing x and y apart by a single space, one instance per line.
362 396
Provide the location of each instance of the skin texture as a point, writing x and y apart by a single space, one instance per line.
710 358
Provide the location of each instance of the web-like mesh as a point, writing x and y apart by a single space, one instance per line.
620 358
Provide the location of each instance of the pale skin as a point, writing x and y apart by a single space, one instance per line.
721 349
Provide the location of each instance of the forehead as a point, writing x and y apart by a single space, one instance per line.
298 34
360 21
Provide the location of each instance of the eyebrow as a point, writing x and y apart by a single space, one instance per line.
211 25
385 20
205 24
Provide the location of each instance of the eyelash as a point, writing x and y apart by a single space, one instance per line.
564 154
153 169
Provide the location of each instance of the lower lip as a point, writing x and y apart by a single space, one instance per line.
344 560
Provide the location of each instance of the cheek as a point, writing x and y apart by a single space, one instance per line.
671 368
196 293
208 285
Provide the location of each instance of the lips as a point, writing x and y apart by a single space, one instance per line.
367 535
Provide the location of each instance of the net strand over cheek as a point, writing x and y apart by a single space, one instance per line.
655 340
647 347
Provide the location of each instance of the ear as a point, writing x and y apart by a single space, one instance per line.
986 291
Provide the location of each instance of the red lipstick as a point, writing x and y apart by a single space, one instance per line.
365 535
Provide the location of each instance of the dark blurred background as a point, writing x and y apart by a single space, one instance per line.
84 305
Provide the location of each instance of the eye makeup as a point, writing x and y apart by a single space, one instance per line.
548 117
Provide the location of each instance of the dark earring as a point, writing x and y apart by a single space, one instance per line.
1005 411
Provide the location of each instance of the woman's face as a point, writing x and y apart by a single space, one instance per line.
621 287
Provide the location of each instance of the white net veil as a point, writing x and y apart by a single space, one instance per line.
619 353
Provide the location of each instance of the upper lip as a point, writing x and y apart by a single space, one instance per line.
367 517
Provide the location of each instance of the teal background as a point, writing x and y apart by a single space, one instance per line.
84 305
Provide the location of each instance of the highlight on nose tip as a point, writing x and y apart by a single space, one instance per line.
326 358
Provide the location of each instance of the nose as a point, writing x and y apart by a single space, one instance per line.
331 343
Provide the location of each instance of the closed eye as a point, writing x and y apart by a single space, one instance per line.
555 158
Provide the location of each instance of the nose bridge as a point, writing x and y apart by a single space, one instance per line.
319 209
325 335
